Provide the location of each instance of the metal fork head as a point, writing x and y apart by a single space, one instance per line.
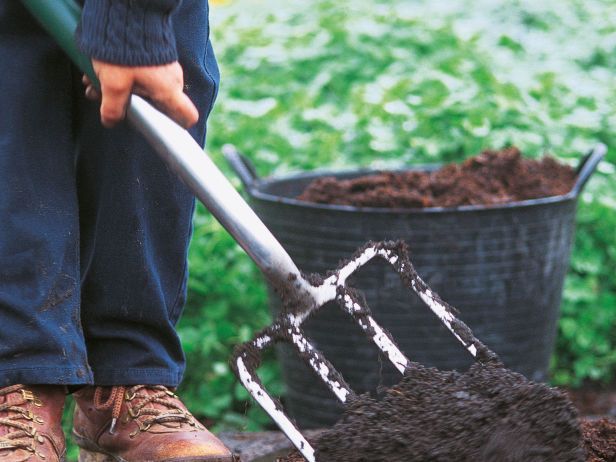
287 328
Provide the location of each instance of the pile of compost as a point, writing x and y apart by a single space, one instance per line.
487 414
599 440
492 177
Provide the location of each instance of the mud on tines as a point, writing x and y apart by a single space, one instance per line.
287 328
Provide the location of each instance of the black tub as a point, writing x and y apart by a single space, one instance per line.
502 266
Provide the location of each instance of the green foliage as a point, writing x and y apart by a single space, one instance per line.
586 349
340 82
333 83
72 451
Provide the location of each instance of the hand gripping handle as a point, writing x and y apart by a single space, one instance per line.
181 152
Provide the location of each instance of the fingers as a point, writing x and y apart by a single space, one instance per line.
115 95
163 84
179 107
93 93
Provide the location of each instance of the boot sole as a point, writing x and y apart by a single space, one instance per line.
89 452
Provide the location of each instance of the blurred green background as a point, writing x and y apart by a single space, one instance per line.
337 83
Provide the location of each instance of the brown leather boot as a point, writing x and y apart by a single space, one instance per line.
140 423
31 423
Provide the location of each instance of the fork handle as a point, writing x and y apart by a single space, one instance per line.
181 152
184 156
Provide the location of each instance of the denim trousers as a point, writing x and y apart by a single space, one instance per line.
94 228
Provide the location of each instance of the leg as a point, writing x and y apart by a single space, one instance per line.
136 225
41 341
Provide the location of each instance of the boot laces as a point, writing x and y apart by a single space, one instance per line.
141 399
20 434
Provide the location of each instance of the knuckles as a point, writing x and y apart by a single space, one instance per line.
164 85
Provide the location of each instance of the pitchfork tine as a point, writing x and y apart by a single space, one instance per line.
247 359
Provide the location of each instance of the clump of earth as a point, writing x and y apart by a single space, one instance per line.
492 177
487 414
599 440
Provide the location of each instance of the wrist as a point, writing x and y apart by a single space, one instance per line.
135 33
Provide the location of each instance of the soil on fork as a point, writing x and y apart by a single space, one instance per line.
486 414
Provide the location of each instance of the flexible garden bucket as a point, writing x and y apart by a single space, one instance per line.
502 266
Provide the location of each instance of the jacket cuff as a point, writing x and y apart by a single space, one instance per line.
128 32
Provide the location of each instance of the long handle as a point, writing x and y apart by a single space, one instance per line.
60 19
181 152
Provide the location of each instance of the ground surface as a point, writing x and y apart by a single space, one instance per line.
595 405
599 437
599 442
485 414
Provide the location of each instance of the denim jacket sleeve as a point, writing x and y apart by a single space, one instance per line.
128 32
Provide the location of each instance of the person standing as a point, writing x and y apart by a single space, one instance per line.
94 231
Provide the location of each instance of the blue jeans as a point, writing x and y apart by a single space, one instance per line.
94 228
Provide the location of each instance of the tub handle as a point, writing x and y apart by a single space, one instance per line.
241 165
587 167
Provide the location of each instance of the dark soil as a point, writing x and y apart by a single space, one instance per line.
492 177
592 401
486 414
599 440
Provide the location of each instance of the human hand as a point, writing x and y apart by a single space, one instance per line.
163 84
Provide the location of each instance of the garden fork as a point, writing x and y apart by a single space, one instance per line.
304 298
